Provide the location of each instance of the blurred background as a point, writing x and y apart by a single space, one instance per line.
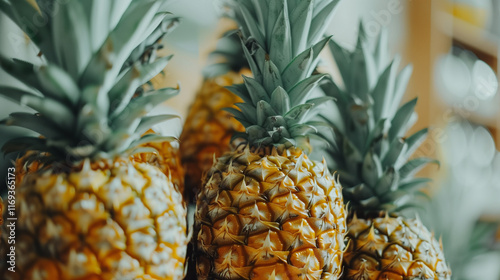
454 48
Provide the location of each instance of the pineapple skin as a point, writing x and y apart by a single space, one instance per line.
269 215
105 220
23 167
208 128
167 159
392 248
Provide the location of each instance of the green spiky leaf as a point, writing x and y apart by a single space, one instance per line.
82 86
399 123
368 146
282 55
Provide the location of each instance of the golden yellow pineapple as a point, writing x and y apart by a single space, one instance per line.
266 213
266 210
86 208
100 220
208 127
393 248
25 164
370 153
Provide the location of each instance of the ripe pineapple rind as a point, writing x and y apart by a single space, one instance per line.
122 217
281 41
261 212
206 115
393 247
83 98
368 148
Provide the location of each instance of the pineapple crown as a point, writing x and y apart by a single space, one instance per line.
147 51
95 54
367 147
227 56
281 41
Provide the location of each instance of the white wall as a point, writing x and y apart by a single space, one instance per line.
375 14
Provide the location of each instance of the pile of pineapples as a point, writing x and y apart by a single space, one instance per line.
101 195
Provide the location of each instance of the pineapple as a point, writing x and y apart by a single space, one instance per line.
370 153
90 209
208 128
266 210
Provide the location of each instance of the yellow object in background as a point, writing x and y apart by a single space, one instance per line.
474 15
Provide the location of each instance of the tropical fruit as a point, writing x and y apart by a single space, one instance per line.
370 152
266 210
89 209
